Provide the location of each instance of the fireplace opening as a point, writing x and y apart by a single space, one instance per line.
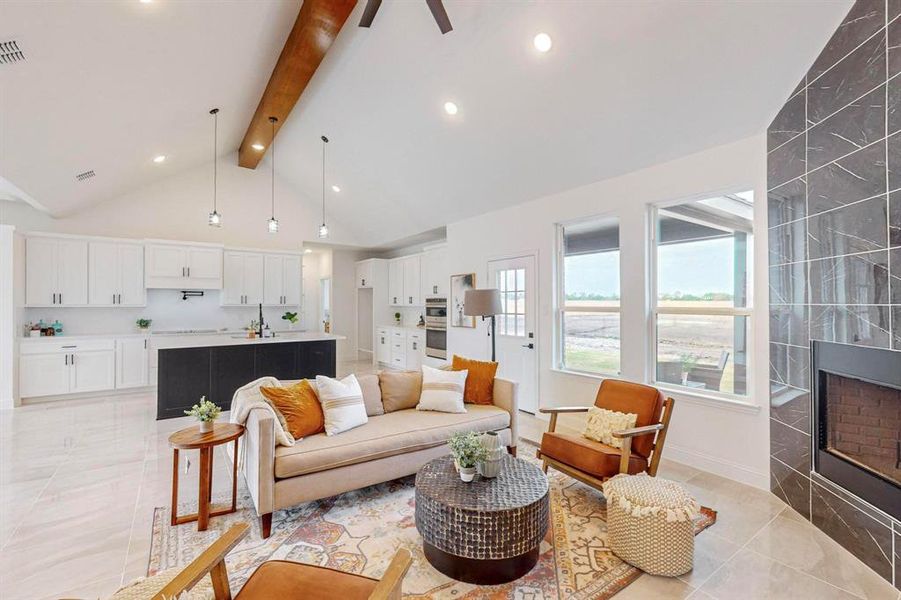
857 420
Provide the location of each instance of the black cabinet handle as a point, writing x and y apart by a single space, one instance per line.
189 271
120 298
411 299
60 297
434 289
67 360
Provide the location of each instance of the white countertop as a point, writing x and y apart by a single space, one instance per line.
392 326
237 339
81 337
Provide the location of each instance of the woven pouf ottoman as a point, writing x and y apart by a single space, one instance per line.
649 523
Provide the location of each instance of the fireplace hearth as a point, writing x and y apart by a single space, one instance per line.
857 421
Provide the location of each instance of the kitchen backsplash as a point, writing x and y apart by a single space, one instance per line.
167 310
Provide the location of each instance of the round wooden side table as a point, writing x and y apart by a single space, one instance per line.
193 439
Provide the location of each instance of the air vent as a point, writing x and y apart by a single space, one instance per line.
85 175
10 52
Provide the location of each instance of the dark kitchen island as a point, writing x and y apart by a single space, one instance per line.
216 366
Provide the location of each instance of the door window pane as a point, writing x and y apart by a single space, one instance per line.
591 342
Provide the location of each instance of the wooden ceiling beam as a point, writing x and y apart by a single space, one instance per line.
316 28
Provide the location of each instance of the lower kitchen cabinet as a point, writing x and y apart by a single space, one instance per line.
400 347
383 345
52 368
186 374
131 363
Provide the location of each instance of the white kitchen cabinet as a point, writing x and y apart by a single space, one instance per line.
396 282
56 272
365 274
183 266
412 281
398 348
43 374
93 370
116 274
435 273
383 345
415 350
63 367
243 278
131 362
282 276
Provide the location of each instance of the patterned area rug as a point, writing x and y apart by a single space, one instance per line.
359 531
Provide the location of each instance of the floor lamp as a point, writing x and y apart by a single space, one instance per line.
483 303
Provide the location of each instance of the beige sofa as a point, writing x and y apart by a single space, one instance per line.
389 446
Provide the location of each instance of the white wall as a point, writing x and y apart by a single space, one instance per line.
344 301
177 208
724 438
7 317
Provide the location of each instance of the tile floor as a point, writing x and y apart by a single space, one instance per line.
79 481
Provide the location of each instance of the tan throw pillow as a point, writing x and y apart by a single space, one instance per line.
400 389
602 423
372 394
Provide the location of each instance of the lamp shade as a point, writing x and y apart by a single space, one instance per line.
482 303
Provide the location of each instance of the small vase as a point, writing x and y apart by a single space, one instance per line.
490 441
467 474
206 426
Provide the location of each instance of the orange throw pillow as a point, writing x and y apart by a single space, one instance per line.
300 406
479 382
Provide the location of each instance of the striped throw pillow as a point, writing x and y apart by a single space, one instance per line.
342 403
442 390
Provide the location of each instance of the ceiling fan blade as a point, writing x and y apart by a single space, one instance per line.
440 15
372 7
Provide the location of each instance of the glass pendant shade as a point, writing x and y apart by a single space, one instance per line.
323 231
273 225
215 219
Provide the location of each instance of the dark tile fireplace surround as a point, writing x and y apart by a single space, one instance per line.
834 204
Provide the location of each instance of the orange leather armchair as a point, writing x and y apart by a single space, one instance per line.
592 462
285 580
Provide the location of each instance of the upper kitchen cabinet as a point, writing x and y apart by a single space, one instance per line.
116 274
170 265
364 272
282 275
242 278
56 271
435 273
405 281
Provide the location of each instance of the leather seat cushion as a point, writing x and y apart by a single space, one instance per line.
386 435
286 580
587 455
642 400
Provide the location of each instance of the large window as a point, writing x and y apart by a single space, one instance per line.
702 307
589 303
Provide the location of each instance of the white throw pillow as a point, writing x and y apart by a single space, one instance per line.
442 390
602 423
342 403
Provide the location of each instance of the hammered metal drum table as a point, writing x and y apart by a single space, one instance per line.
485 532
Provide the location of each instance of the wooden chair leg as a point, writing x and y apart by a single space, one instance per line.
511 450
544 466
219 575
266 525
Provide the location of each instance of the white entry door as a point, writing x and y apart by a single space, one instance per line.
517 335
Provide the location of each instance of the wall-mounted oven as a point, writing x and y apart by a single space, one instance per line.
436 327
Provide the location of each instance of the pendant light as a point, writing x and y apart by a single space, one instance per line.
215 219
323 229
273 222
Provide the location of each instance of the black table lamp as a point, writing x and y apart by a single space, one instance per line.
483 303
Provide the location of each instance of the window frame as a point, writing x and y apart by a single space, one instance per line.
654 310
560 309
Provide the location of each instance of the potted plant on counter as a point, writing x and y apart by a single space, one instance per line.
468 451
206 412
143 324
291 318
397 318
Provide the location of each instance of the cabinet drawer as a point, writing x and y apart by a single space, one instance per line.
398 334
399 361
66 346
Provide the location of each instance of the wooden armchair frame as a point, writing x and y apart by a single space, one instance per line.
626 435
212 562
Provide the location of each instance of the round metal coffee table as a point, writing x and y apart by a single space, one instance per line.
485 532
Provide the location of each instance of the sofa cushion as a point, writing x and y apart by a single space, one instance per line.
386 435
298 406
288 580
372 394
400 389
586 455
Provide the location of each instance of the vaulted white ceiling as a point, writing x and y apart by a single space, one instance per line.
107 86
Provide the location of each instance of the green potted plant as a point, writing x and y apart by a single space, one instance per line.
144 324
291 318
468 451
397 318
206 412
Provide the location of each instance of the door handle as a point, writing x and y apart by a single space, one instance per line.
529 346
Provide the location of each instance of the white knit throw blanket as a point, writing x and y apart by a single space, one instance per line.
249 397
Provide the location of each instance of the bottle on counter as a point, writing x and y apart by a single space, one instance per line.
267 333
57 327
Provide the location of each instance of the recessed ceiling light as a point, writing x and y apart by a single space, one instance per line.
450 108
335 188
542 42
159 159
307 251
146 1
258 146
